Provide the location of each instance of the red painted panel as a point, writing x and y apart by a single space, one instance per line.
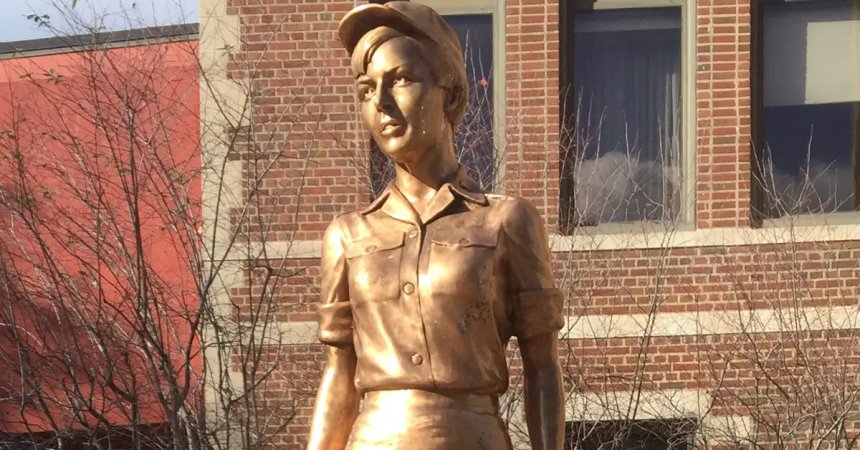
99 236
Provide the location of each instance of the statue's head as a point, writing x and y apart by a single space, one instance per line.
409 72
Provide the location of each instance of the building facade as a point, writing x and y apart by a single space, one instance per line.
695 162
99 136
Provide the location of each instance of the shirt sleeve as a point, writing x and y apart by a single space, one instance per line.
536 304
335 312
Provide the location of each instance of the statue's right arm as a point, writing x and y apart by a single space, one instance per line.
336 405
337 402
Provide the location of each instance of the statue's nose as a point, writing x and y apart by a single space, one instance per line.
383 98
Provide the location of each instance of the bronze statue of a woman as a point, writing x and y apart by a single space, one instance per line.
423 289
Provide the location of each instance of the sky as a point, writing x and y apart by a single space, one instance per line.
108 15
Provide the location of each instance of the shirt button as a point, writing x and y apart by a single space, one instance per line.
464 241
408 288
417 359
413 234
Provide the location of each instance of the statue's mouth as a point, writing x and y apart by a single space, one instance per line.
391 128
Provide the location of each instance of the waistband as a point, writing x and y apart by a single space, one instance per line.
418 400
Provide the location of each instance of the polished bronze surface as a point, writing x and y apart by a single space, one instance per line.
391 418
423 289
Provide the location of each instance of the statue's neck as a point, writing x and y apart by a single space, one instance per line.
419 181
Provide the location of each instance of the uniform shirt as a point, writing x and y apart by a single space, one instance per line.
430 302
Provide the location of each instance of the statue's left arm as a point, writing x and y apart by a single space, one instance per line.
536 316
543 391
336 406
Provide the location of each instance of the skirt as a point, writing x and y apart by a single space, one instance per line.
423 420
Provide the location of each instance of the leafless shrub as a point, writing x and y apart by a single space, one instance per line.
108 351
140 304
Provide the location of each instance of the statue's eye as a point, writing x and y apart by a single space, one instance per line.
365 93
401 80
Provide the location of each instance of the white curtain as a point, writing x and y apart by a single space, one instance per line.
627 79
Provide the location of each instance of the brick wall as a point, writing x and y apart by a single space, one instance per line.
307 148
532 112
723 110
310 153
711 278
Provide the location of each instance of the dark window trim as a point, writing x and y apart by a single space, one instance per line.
111 39
757 200
567 99
856 157
566 120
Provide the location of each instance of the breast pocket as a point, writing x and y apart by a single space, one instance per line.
374 268
461 260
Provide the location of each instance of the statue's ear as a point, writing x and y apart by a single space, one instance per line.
453 98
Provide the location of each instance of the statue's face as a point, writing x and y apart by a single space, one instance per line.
401 104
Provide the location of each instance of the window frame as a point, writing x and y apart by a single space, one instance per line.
758 206
495 8
687 190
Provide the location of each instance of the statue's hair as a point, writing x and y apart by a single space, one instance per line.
446 72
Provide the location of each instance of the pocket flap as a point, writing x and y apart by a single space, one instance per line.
466 237
374 244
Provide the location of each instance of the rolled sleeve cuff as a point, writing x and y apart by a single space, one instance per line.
335 324
537 312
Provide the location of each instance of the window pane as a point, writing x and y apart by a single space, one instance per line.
811 151
811 104
473 140
627 80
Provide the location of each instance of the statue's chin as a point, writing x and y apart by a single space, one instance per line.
404 154
398 155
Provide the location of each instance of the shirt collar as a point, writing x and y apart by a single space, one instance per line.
393 203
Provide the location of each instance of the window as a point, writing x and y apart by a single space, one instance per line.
621 92
808 124
474 140
656 434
